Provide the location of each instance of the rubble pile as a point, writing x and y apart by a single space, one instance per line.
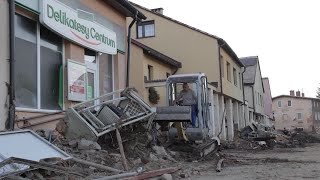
259 137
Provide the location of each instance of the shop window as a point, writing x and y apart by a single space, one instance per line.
37 77
146 29
50 63
26 62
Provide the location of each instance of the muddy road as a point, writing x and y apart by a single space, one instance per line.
283 163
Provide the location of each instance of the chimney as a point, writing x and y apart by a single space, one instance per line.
158 10
302 94
298 93
292 93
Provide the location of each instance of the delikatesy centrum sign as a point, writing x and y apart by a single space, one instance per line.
64 20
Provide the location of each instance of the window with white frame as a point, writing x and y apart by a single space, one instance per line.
299 116
38 66
145 29
279 103
289 103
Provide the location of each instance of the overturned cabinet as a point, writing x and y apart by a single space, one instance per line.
94 118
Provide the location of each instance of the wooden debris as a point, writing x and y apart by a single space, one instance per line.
124 160
99 166
219 164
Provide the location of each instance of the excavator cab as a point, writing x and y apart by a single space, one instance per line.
198 84
181 117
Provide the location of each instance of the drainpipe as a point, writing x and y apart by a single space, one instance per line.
11 117
175 71
244 99
129 47
220 70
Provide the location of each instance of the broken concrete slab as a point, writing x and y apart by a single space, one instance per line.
84 144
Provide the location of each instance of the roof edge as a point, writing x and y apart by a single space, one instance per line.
128 6
288 96
164 58
176 21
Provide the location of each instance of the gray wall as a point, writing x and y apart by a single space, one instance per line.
259 107
248 95
4 63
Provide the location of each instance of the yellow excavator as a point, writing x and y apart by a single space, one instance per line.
185 124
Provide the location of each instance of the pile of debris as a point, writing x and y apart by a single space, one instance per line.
84 158
260 137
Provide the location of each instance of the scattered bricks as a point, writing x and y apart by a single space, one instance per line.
166 177
84 144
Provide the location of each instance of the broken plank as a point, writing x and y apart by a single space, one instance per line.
99 166
219 165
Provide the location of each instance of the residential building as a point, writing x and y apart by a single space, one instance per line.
295 111
65 52
253 88
267 97
149 68
199 51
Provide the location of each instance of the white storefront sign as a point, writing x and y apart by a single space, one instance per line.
65 21
76 81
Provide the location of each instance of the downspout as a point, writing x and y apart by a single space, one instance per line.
244 99
220 70
129 47
254 102
11 117
175 71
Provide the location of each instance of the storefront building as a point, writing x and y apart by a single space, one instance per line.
67 51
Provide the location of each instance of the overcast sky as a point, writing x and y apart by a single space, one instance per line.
285 34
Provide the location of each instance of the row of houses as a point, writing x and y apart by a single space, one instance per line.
65 52
241 95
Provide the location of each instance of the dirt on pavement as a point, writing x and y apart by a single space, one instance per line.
278 163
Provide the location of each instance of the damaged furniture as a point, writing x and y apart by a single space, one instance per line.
94 118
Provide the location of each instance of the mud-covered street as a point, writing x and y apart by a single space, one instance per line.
279 163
